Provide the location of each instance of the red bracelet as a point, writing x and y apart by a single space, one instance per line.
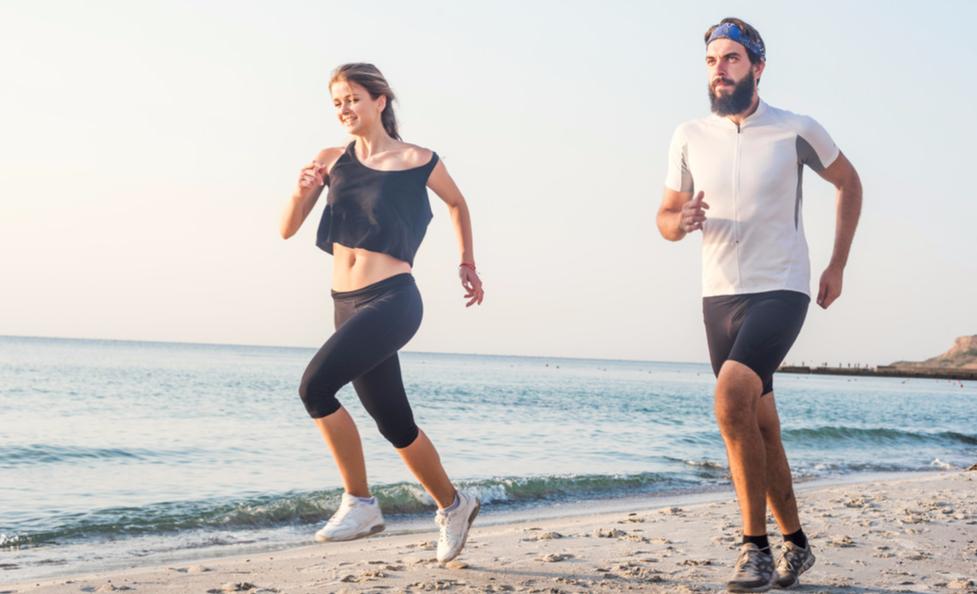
468 265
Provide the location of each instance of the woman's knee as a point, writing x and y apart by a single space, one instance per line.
318 394
399 432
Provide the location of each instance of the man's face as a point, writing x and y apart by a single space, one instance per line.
732 78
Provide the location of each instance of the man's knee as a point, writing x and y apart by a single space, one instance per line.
734 416
737 392
769 421
770 431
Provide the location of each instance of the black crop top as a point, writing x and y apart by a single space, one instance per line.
380 211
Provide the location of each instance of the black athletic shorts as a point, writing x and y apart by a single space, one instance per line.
755 329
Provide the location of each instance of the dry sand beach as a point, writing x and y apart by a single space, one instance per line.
910 534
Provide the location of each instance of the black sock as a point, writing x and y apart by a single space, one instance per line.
797 538
760 541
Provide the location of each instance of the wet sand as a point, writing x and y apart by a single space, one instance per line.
916 534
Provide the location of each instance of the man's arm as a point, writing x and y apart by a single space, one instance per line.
848 207
680 214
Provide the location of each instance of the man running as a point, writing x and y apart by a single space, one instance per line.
742 165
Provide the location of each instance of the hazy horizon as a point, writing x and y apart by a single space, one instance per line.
789 361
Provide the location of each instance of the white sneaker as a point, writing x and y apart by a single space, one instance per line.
454 526
354 519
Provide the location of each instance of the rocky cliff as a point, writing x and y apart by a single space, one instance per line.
962 355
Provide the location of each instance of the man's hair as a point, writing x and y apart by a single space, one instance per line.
748 31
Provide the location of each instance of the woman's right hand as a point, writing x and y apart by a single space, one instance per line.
313 175
311 180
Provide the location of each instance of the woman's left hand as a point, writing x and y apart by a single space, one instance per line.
472 284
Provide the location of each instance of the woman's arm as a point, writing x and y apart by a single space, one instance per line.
442 184
311 181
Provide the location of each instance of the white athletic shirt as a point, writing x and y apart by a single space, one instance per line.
753 237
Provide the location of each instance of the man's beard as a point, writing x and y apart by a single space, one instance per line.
736 102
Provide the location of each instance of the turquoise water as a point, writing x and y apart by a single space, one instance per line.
151 448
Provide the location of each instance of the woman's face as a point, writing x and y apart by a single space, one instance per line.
356 110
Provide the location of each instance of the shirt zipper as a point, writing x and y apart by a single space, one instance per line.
736 194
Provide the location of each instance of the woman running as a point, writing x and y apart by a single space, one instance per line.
376 214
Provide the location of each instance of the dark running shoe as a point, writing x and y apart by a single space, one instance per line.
753 572
792 563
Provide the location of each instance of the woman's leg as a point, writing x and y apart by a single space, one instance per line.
382 392
331 368
389 322
423 461
343 439
358 515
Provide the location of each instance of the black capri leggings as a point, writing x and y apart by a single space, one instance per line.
372 324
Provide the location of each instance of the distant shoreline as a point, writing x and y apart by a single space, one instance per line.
885 371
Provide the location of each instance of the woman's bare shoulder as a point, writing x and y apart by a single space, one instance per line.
416 155
329 156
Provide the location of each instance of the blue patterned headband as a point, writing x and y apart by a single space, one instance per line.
732 32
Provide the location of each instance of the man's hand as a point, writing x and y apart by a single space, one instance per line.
830 287
693 213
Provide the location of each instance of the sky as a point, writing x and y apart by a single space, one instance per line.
147 150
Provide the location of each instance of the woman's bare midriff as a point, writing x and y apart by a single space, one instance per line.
355 268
